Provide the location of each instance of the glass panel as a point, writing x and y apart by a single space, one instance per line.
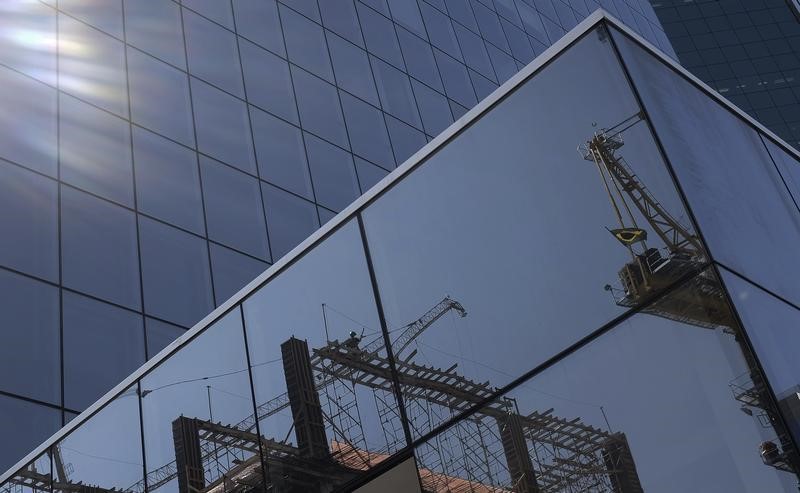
103 344
280 152
160 335
99 254
232 271
30 351
92 65
160 97
333 172
268 81
774 330
485 261
353 73
740 201
102 14
419 59
647 406
305 44
105 451
213 9
407 15
457 84
320 111
395 91
368 174
474 49
402 478
301 336
223 130
175 273
367 130
433 107
379 35
24 426
191 404
213 55
29 222
340 17
788 166
440 30
28 43
96 151
155 27
258 21
29 122
234 212
489 25
290 219
33 478
167 181
308 8
406 140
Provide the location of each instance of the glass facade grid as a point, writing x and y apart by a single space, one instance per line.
218 412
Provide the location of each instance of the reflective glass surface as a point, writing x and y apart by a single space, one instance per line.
280 153
35 477
489 194
25 425
268 81
655 405
300 336
213 55
190 412
155 27
290 219
335 182
32 55
742 205
232 271
160 334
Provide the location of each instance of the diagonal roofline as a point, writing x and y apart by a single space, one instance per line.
596 18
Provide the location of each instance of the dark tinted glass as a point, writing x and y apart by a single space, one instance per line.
788 166
407 15
379 35
30 109
300 336
155 27
367 129
290 219
102 14
160 97
419 59
98 335
280 152
175 273
25 425
258 21
457 84
29 353
486 260
95 151
92 65
219 12
406 140
29 222
353 73
395 92
474 50
105 452
160 334
340 17
223 130
320 111
440 30
167 181
433 107
335 182
99 255
268 81
368 174
305 44
190 412
647 406
232 271
213 55
741 203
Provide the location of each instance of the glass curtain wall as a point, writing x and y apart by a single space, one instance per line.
531 308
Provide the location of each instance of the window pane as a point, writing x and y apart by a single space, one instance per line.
167 181
98 248
29 222
105 451
29 110
212 53
234 212
407 15
740 201
298 333
160 335
645 407
268 81
33 478
368 174
217 11
475 54
379 35
419 59
492 190
29 352
406 140
335 182
92 66
290 219
160 97
308 8
258 21
232 271
788 166
281 155
440 30
25 425
29 41
367 130
223 130
102 14
96 151
177 281
320 111
457 84
155 27
340 17
103 344
353 73
305 43
433 107
191 404
395 91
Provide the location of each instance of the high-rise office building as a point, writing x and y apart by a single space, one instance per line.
748 50
156 155
501 314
